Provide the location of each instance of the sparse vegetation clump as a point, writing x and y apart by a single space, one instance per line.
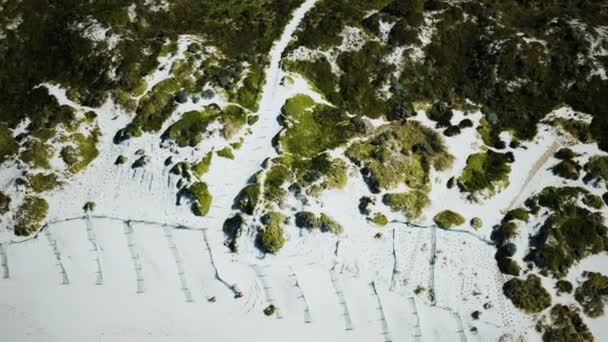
569 169
8 145
528 295
83 151
233 228
411 203
269 310
485 174
271 238
30 215
564 325
592 294
447 219
121 159
202 166
201 198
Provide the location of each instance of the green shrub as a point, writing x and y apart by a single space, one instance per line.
201 198
597 168
37 154
276 177
517 214
593 201
30 215
565 325
485 171
565 153
447 219
592 294
271 238
528 295
568 169
85 151
563 286
248 198
306 219
327 224
476 223
411 203
189 129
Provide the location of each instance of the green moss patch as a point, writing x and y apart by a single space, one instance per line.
83 151
448 219
201 198
37 154
379 219
485 174
528 295
276 177
30 215
202 166
411 203
189 129
271 238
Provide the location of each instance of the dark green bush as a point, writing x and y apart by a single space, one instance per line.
528 295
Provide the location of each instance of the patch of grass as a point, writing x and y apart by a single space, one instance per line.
30 215
447 219
202 167
485 174
201 198
411 203
248 198
563 286
271 238
528 295
592 294
41 182
226 152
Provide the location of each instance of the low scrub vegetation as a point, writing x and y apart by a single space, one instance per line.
528 295
30 215
447 219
